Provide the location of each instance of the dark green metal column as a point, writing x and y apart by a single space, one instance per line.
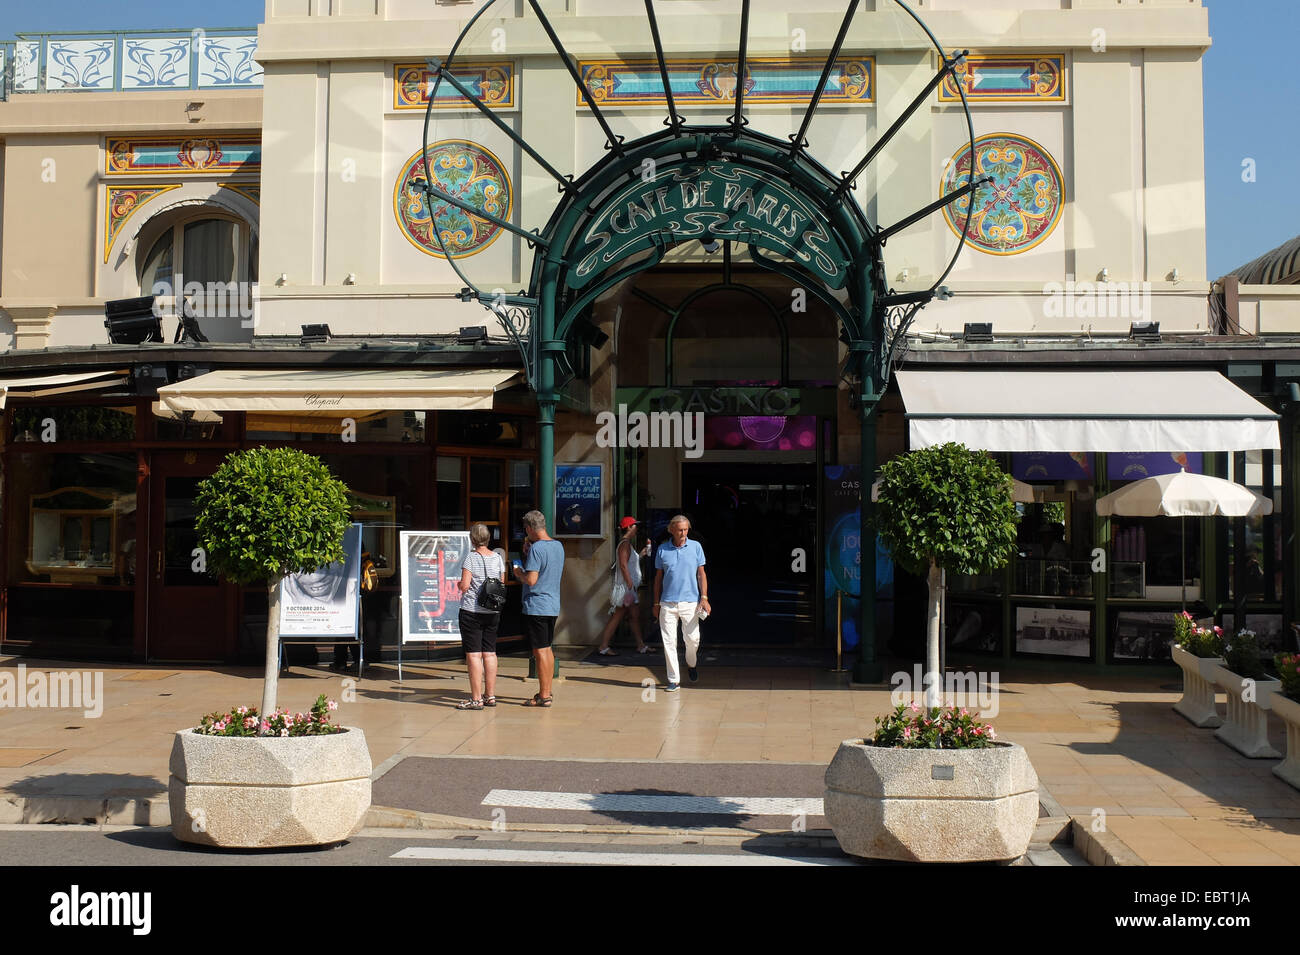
867 669
543 334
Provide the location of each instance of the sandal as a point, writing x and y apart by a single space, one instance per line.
470 705
489 701
538 700
645 648
607 652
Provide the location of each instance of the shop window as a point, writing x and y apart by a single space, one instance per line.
72 519
384 497
482 429
451 499
360 427
1261 471
61 424
196 426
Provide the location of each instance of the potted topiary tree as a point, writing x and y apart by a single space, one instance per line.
935 785
945 508
262 777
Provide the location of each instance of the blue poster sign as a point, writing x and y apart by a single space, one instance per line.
842 560
1052 465
579 492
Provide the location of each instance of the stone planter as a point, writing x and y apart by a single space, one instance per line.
1246 728
1288 710
932 805
1197 704
260 792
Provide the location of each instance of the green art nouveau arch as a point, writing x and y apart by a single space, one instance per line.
725 183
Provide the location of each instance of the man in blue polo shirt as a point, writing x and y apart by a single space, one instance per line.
681 594
540 574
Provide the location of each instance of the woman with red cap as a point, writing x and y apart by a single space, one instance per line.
623 598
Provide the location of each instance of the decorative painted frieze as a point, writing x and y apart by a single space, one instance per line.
1022 205
772 80
462 169
1007 78
121 203
226 62
156 62
493 83
183 155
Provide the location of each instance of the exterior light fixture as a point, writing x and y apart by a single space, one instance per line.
284 277
1175 276
1144 331
472 334
132 321
350 279
314 334
1103 275
978 332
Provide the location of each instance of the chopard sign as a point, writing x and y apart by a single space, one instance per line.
711 201
323 401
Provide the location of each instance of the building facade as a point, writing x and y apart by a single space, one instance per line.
299 168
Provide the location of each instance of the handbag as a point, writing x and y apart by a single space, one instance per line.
492 595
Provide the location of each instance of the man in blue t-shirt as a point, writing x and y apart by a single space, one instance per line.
540 574
682 586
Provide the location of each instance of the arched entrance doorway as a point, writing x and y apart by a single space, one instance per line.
720 182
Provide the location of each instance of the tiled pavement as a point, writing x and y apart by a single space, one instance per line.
1108 748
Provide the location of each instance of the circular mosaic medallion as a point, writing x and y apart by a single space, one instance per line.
1022 205
470 173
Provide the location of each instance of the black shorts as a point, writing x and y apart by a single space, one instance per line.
478 631
540 631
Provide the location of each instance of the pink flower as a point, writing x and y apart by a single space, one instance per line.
331 705
1219 631
284 732
265 725
963 711
913 707
992 735
907 732
249 722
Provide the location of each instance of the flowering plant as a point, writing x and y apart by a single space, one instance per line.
911 727
1288 671
244 721
1197 640
1241 655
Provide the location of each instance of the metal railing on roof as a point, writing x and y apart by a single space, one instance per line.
130 60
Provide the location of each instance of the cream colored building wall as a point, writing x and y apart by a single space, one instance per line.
54 274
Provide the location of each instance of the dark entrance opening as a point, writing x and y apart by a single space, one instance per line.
750 518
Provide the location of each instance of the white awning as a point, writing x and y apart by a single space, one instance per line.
329 392
1084 411
46 385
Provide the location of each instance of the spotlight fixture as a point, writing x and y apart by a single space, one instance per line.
978 332
1144 331
132 321
314 334
188 329
472 334
1103 275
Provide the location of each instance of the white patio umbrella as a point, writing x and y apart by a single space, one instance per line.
1183 495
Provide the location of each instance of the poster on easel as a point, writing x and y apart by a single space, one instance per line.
324 603
431 568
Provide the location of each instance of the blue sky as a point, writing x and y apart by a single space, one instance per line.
1252 100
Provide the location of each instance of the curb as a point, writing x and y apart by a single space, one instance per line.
1101 848
84 810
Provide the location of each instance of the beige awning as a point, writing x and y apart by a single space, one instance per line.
328 392
45 385
1084 411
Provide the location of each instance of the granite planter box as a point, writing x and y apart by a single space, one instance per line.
252 792
932 805
1197 704
1288 710
1246 728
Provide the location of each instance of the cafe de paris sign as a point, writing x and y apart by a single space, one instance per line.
710 201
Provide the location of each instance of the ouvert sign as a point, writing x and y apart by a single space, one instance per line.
710 201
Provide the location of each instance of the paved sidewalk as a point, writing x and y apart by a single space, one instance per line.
1109 749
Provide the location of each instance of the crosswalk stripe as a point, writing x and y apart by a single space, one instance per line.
576 857
636 802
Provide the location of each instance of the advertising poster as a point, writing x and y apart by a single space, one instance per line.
1053 632
842 560
579 489
431 565
1136 465
324 603
1052 466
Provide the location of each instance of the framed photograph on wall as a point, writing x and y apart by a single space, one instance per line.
1055 632
1142 636
579 496
974 626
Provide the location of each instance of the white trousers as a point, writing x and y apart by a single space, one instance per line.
688 614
